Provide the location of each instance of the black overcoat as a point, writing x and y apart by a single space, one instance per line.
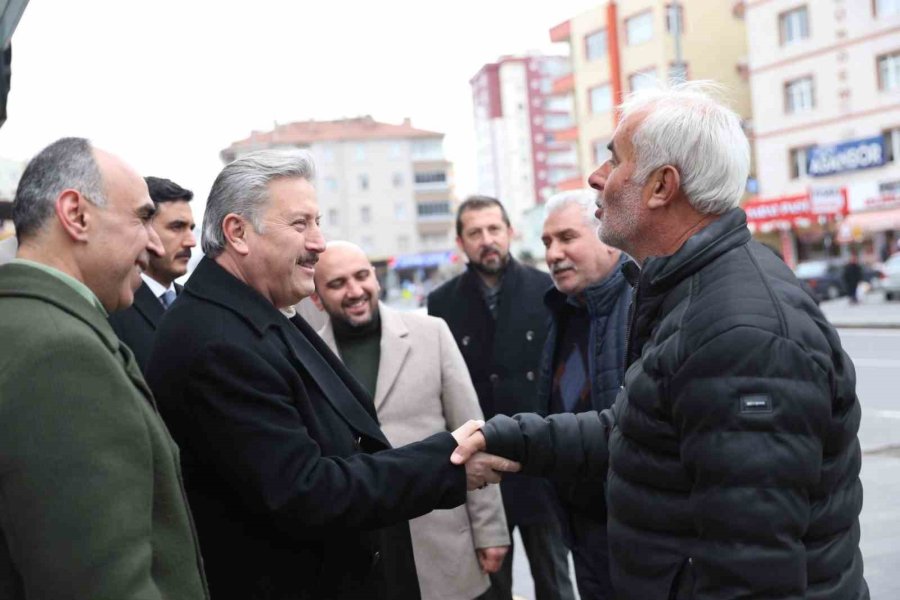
294 489
136 325
503 359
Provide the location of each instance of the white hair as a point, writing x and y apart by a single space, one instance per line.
586 200
685 126
243 188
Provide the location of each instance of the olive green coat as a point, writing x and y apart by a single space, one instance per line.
91 498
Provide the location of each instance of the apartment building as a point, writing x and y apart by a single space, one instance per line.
525 135
825 80
383 186
624 45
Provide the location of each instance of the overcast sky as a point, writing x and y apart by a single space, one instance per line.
166 84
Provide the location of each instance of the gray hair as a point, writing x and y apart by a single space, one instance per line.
242 188
687 127
585 199
67 163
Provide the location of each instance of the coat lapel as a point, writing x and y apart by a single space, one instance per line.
148 305
311 355
394 348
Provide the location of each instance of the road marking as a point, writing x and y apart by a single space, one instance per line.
883 414
877 363
854 332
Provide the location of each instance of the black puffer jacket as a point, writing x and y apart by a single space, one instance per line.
732 449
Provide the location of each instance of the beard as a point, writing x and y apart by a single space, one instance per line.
619 228
495 267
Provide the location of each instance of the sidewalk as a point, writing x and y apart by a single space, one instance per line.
873 312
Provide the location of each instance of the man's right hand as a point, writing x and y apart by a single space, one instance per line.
481 468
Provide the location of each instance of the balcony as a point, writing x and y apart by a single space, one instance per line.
561 32
563 85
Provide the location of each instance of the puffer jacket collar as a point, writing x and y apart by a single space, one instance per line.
599 299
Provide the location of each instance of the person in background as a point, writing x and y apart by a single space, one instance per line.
412 368
852 275
173 222
583 361
496 314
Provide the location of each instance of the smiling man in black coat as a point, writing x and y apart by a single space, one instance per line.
295 490
732 448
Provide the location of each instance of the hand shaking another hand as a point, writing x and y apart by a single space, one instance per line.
481 468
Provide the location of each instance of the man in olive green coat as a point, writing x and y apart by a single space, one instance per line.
91 499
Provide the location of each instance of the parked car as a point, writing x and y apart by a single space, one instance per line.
825 277
891 282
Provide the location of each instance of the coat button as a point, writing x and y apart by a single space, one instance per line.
529 375
465 340
376 558
494 378
529 335
357 443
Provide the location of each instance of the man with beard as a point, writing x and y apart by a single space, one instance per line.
174 223
732 451
296 491
584 361
496 313
411 366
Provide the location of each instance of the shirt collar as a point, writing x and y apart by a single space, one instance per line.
155 286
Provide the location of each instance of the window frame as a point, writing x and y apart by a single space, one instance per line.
782 30
587 54
590 92
639 14
792 161
793 111
895 54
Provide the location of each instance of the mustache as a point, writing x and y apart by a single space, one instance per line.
561 266
488 249
183 254
308 259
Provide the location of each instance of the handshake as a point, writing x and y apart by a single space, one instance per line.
481 468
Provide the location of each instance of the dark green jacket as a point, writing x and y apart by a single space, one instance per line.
91 499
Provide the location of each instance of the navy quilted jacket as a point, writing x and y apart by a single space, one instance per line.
732 450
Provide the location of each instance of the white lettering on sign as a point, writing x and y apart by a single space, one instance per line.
845 157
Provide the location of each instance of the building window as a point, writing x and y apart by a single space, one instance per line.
642 80
793 25
365 214
396 150
333 217
433 209
331 184
639 28
889 72
368 244
799 161
360 152
400 211
595 45
601 152
892 145
601 99
798 95
397 179
363 182
674 18
886 8
678 72
403 243
431 177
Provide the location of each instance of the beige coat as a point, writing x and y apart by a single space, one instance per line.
423 387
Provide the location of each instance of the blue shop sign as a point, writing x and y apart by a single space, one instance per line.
848 156
425 260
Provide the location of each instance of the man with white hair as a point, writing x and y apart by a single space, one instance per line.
583 361
732 448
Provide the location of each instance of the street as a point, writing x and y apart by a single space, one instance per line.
876 356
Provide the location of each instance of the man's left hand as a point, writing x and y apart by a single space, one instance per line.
491 559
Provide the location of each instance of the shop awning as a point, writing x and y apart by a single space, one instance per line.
856 225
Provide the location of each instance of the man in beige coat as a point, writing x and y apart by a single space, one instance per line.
413 369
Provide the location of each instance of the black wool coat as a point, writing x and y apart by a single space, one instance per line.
294 488
732 449
136 325
503 359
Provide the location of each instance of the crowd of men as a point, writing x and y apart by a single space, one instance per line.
668 403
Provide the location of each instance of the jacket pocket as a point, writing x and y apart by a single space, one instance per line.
682 587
